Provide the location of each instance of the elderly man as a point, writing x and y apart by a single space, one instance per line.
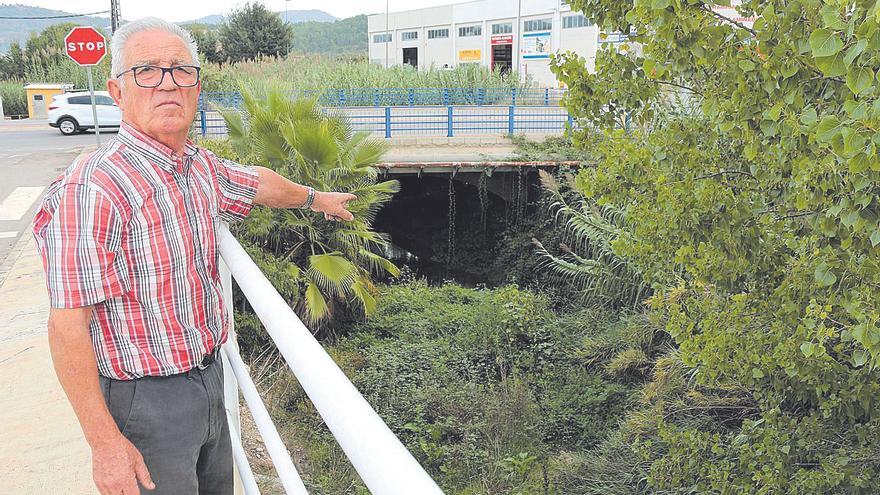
127 236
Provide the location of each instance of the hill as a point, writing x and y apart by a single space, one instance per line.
12 30
341 37
291 16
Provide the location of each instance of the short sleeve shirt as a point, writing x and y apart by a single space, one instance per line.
130 230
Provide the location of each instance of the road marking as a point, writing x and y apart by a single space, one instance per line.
16 156
8 235
19 202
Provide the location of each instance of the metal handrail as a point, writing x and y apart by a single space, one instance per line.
287 472
378 456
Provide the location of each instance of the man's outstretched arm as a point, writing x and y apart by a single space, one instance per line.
275 191
117 466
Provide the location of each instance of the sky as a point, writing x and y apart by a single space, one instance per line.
177 10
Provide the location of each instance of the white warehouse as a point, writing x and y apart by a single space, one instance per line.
493 33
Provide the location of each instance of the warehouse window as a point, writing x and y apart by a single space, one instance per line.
575 21
434 34
538 25
382 38
503 28
470 31
409 35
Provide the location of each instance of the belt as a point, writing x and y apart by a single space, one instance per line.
207 360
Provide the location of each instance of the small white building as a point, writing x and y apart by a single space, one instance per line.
487 32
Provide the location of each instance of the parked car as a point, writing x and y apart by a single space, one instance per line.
71 113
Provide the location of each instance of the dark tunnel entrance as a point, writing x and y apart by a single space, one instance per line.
479 211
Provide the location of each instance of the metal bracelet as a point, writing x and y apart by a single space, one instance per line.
309 200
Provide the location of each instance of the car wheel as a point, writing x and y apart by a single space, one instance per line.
67 126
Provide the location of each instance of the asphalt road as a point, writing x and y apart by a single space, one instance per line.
32 154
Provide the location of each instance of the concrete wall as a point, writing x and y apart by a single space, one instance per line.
457 50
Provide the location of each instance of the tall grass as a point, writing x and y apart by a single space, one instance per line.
312 72
14 99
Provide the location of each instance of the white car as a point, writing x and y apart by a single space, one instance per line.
72 112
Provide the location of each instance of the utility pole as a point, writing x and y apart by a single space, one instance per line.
287 21
518 33
114 15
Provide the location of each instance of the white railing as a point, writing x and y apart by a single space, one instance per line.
383 463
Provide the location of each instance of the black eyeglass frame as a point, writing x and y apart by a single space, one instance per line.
168 70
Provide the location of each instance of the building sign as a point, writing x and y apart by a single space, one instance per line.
506 39
536 45
470 55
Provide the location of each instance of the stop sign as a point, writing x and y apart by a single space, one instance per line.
85 45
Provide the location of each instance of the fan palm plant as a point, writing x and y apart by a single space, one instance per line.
587 259
315 262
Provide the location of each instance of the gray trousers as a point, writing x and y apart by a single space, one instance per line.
178 423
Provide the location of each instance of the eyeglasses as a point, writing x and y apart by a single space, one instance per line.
151 76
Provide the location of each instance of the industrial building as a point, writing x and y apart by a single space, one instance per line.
494 33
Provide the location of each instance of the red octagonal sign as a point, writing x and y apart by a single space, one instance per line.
85 45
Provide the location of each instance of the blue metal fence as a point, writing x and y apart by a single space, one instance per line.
409 97
438 121
446 112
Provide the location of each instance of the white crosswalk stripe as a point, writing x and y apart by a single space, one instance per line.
19 202
8 235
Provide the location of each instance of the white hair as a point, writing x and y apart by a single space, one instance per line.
120 37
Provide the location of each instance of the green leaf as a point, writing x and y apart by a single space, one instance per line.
364 295
824 276
757 373
854 143
828 128
858 79
859 358
875 238
333 266
660 4
808 116
789 69
832 66
747 65
315 302
807 349
854 51
825 43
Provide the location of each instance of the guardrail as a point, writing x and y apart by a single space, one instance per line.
383 463
450 121
406 97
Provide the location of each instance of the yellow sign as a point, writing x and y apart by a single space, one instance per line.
469 55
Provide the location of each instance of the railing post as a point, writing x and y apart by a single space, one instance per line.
449 121
341 93
446 97
513 97
203 120
387 122
511 122
546 97
230 384
376 97
481 96
412 97
570 121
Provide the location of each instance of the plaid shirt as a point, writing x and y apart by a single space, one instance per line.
130 229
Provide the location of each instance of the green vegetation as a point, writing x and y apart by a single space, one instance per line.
343 37
491 391
323 72
752 211
254 31
310 259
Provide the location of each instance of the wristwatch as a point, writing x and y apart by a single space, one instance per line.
309 200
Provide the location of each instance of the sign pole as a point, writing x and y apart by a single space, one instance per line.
94 108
